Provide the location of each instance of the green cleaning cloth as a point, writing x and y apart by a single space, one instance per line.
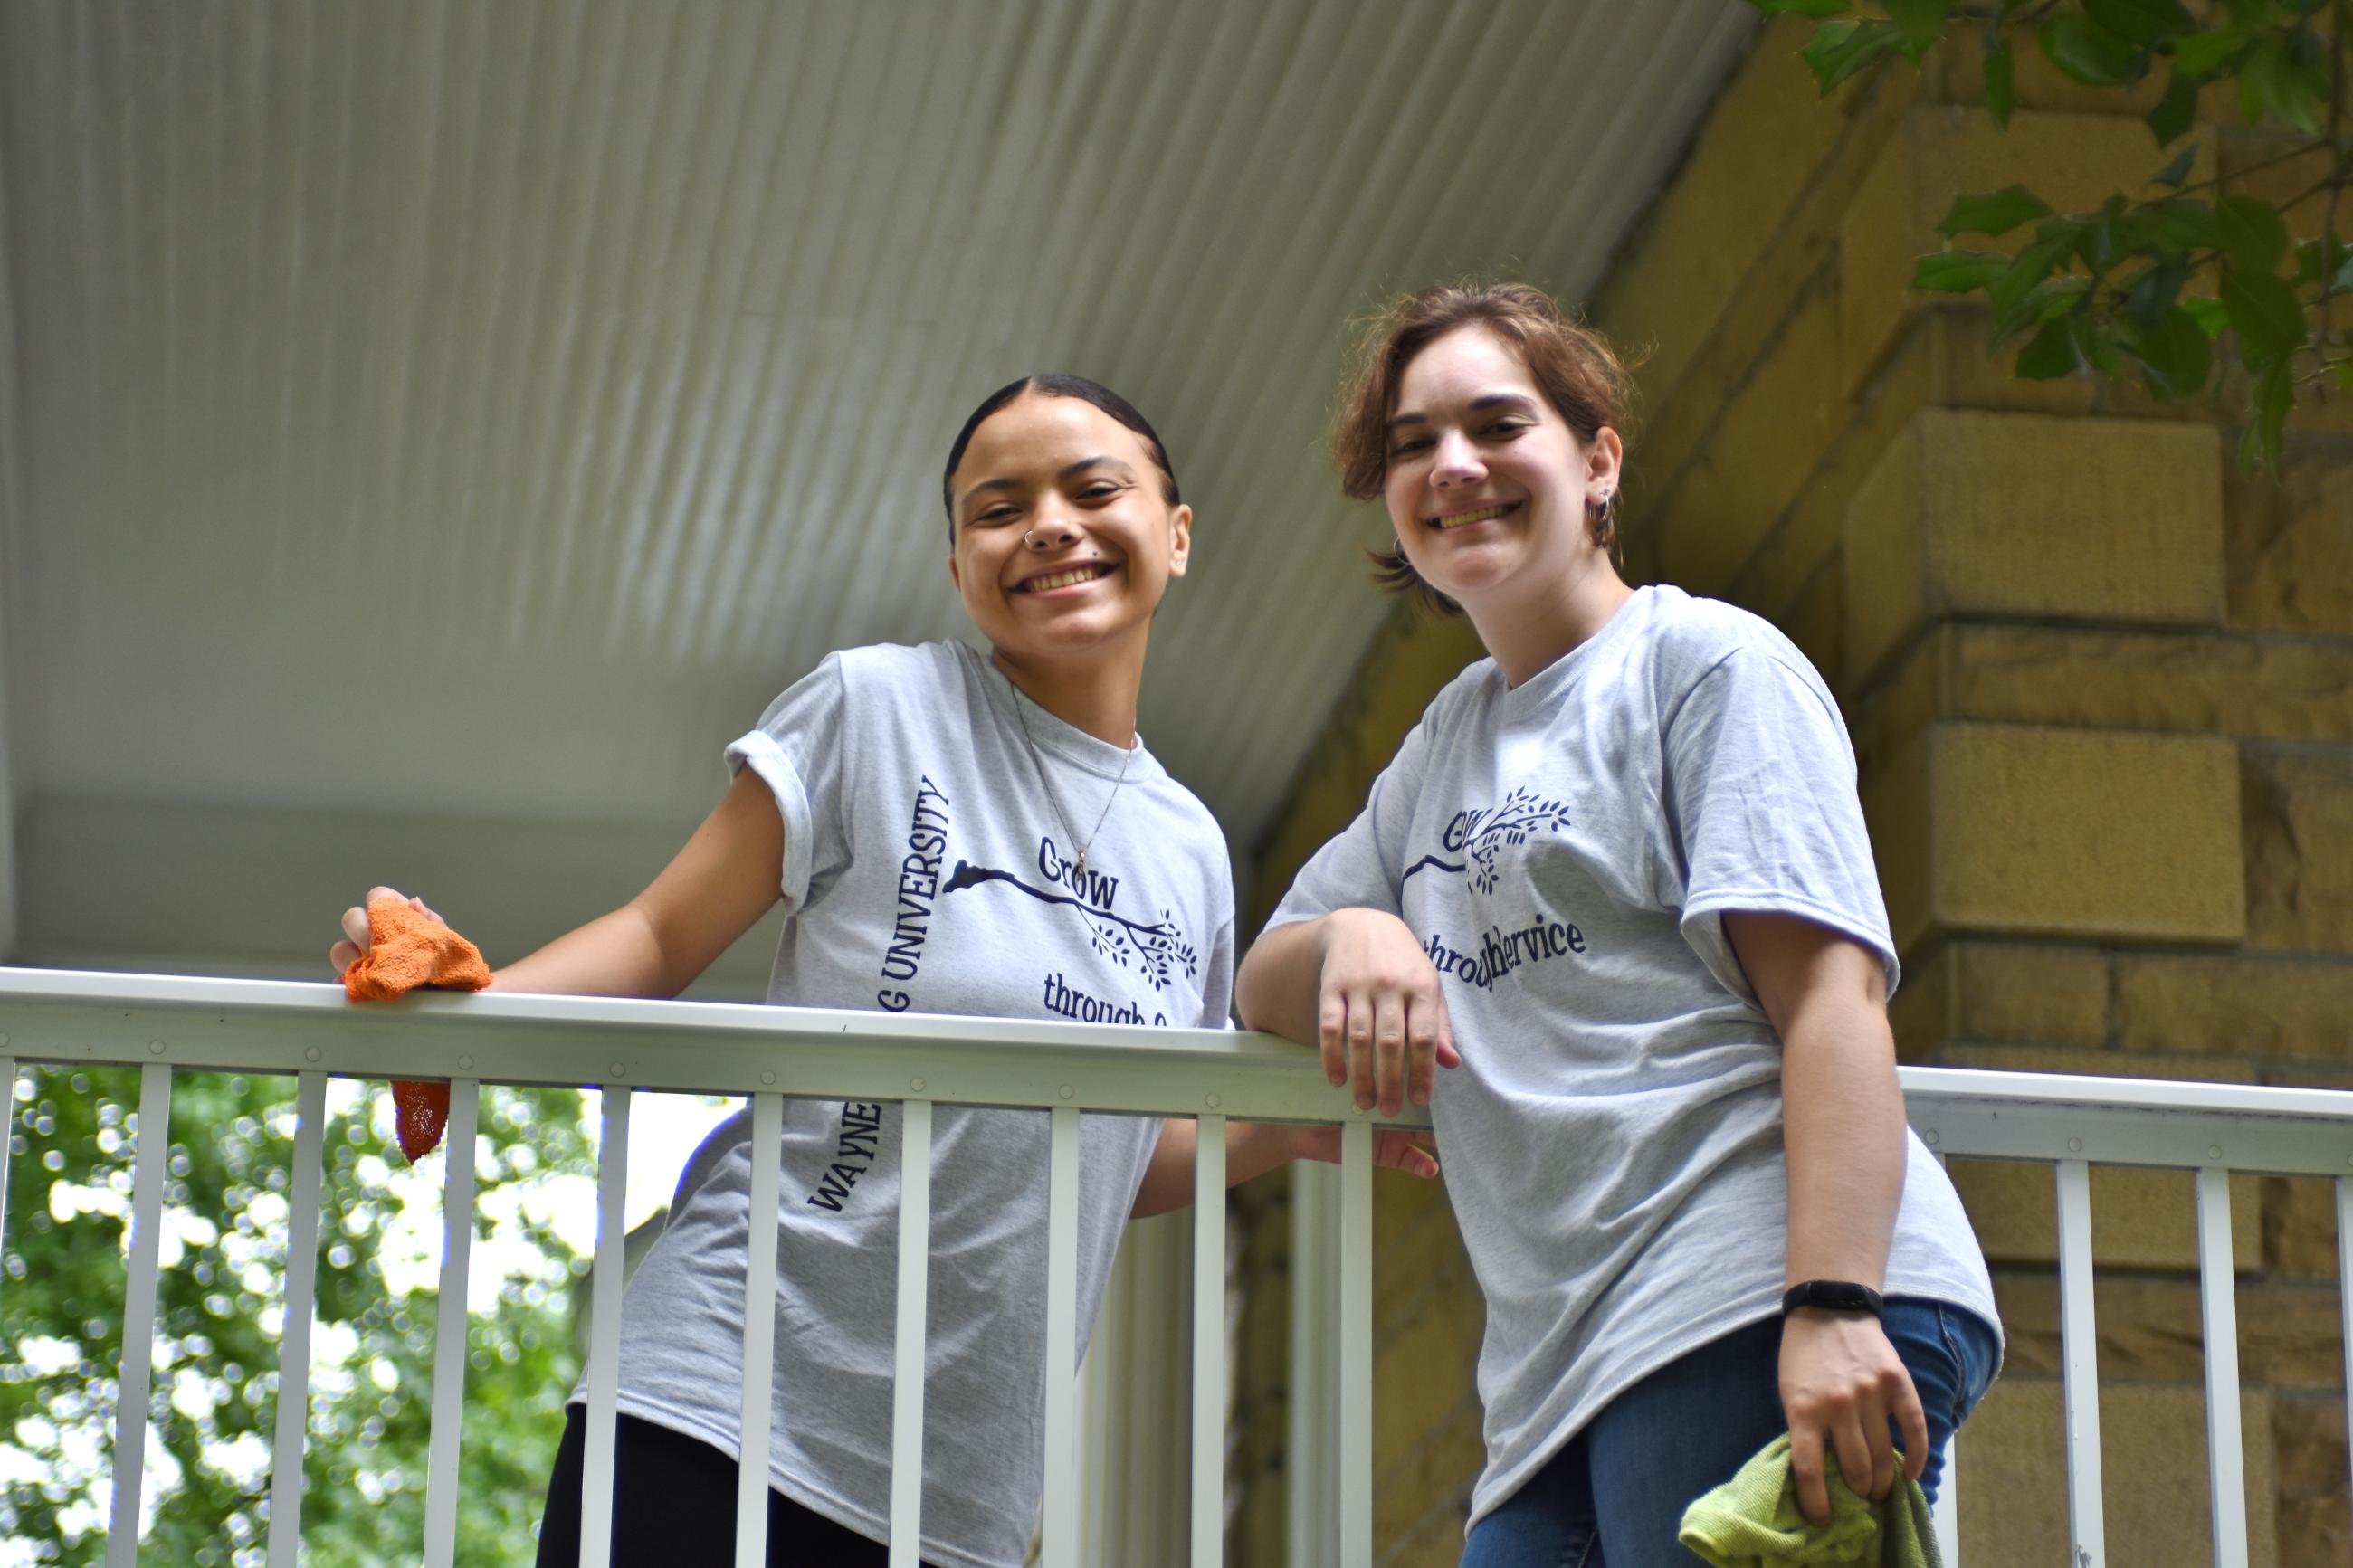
1752 1520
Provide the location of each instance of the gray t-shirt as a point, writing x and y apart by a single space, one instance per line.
1564 850
926 870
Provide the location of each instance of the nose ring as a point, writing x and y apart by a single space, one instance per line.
1027 540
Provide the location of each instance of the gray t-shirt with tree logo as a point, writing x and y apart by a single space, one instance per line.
1566 850
928 870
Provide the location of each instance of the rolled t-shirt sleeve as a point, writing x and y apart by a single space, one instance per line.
1218 982
796 751
1361 867
1761 812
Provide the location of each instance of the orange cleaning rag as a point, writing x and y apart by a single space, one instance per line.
406 949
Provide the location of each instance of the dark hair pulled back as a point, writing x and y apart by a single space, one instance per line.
1056 385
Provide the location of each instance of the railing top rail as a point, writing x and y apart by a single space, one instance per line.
777 1025
2248 1128
265 1026
269 1025
1977 1086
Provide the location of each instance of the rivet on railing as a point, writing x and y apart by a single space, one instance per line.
2075 1145
620 1069
1930 1137
767 1077
156 1047
916 1084
312 1055
1065 1091
2214 1151
4 1040
465 1064
1211 1100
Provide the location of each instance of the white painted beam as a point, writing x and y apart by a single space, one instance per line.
275 881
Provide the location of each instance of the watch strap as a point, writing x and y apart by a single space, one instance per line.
1833 1296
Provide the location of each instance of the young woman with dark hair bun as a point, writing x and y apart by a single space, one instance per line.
950 831
1619 870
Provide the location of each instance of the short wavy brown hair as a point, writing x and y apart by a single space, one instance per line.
1581 375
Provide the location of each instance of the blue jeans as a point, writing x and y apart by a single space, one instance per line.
1614 1496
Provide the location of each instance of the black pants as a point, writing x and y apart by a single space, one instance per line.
674 1505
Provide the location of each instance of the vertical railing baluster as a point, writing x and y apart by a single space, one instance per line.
1944 1513
2225 1459
604 1329
910 1357
755 1415
1356 1445
1059 1534
1311 1525
449 1324
2344 1285
7 1138
294 1334
1208 1341
2080 1351
149 1155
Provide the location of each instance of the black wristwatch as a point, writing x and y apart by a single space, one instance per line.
1833 1296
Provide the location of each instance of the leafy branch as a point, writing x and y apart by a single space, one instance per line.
2124 289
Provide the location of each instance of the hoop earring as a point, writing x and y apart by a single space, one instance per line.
1605 518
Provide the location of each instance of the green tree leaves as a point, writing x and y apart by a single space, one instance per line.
1958 271
2090 53
2000 80
2176 112
1920 22
2250 233
1838 50
2210 54
220 1303
2286 77
1995 213
2176 355
2265 313
2142 24
2103 292
2260 444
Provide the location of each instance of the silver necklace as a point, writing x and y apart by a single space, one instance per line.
1079 863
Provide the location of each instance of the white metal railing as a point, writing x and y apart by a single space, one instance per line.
2069 1123
164 1026
2213 1130
167 1025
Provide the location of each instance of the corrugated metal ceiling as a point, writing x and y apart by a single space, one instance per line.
485 408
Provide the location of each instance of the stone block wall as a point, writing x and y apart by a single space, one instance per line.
2101 688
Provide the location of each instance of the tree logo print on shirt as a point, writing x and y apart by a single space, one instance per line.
1157 948
1483 834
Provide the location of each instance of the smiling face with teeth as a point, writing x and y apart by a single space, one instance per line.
1493 494
1065 542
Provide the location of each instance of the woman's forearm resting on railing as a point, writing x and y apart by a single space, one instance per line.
1356 985
1274 986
